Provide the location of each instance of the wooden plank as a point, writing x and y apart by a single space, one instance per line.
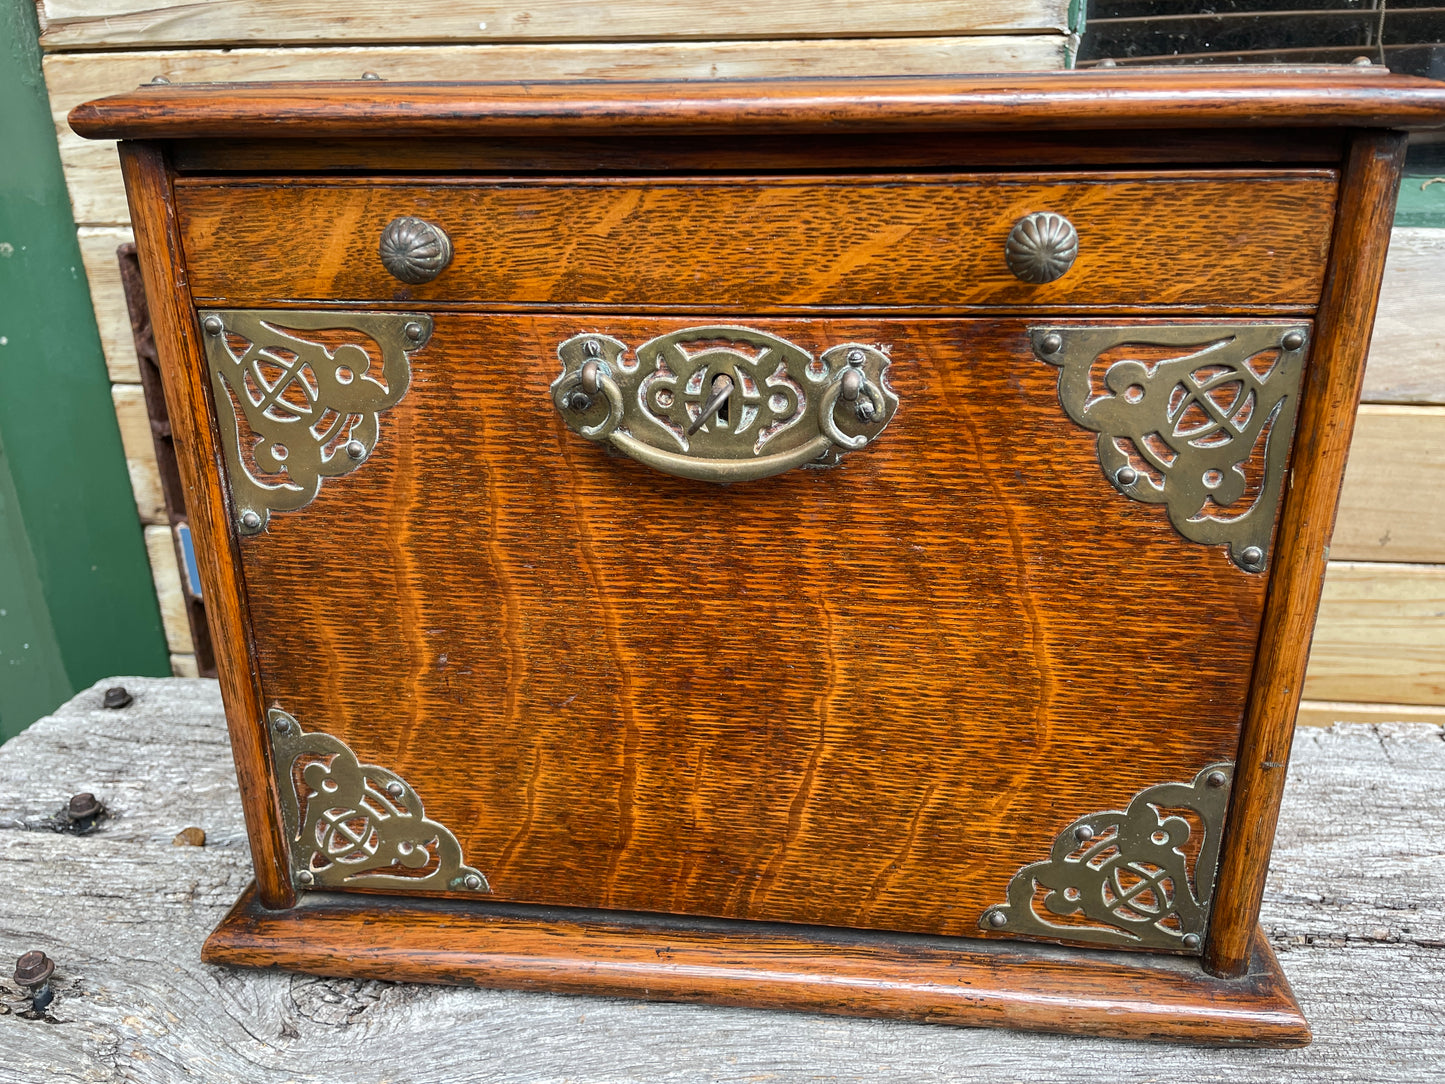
107 296
140 454
1409 340
1336 713
119 24
184 666
1392 507
1380 635
94 179
1355 894
161 547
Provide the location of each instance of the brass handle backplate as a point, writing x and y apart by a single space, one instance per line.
724 404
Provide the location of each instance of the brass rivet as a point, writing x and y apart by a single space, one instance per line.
1292 340
1216 779
1107 62
370 76
855 357
1362 62
414 330
355 449
250 520
160 81
1191 940
1051 344
213 325
395 789
306 877
1252 556
1083 833
997 919
473 881
1127 476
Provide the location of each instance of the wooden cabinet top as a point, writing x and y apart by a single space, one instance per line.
1348 96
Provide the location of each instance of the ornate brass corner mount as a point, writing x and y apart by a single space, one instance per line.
312 410
1141 877
724 404
1195 417
354 825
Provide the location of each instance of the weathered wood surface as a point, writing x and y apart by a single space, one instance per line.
1355 905
1330 712
1392 507
113 24
1409 341
140 455
1380 635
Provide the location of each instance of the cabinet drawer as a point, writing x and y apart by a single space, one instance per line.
1221 241
860 696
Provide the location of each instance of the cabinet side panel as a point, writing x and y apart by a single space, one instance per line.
1322 443
148 187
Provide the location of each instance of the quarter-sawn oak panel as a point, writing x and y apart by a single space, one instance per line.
1225 240
862 696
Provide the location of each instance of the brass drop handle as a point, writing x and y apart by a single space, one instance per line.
726 403
414 250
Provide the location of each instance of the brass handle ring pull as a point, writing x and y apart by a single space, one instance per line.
724 404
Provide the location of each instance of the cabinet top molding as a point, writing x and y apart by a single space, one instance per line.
1344 96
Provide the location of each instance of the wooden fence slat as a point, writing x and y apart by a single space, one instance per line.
161 547
1392 507
91 170
1332 713
107 296
1405 353
140 451
1380 636
118 24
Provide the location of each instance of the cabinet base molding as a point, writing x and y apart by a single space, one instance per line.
766 965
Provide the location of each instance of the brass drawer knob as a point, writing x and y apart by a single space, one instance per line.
414 250
1041 247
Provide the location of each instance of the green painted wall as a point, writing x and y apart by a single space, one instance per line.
76 599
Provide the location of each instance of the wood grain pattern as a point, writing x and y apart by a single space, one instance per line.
177 337
854 697
1381 634
1328 401
1392 506
110 24
770 245
94 178
107 297
140 453
1409 338
784 967
1054 101
1355 910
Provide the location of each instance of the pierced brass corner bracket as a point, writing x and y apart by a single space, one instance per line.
1181 412
1141 877
354 825
312 409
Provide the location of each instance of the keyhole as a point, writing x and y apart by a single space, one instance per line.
722 413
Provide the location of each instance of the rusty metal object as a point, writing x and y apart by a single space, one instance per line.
116 697
32 974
